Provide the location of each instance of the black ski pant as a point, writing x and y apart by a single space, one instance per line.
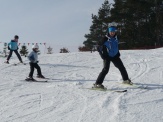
16 52
32 68
117 63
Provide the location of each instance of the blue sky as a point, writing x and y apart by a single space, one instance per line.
59 23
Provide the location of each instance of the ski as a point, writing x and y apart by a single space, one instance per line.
15 64
140 86
105 89
34 80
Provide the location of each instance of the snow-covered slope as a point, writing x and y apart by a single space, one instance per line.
62 98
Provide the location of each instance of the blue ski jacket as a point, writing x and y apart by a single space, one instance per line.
33 57
13 45
112 46
108 47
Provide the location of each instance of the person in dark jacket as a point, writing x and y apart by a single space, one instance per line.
109 52
13 46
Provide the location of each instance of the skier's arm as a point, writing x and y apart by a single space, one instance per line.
9 45
102 49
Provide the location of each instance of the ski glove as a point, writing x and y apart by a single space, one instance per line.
99 49
8 48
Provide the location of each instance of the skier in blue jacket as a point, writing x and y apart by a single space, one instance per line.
109 52
33 58
13 46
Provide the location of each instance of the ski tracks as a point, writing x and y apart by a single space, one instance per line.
84 108
139 68
110 106
101 106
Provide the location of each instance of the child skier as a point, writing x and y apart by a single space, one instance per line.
33 58
13 46
109 52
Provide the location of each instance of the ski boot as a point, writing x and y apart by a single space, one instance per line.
30 79
7 62
100 86
128 82
40 76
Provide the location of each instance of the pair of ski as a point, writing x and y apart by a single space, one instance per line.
15 64
138 86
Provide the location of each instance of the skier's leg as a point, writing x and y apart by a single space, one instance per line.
18 55
38 69
104 71
31 70
119 64
9 56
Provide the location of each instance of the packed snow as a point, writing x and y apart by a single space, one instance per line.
64 99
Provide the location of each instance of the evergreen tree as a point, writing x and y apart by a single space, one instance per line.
140 23
99 26
133 21
24 51
137 22
50 50
5 50
158 8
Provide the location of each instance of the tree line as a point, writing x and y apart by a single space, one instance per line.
139 23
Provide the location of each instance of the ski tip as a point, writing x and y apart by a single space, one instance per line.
125 90
121 91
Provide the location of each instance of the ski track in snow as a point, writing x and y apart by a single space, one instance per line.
61 99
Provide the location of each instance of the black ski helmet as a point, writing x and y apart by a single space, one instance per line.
16 37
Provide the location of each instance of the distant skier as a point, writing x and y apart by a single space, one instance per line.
13 46
109 52
33 58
